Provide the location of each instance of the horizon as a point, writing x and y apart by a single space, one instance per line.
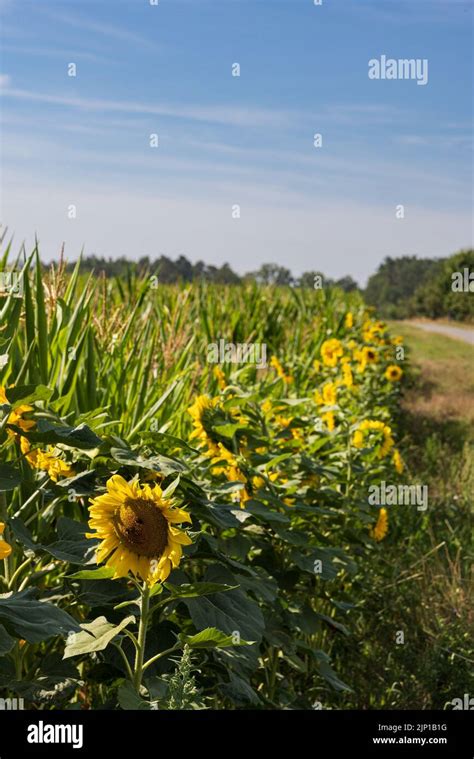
245 140
242 275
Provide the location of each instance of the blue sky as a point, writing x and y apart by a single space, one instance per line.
247 140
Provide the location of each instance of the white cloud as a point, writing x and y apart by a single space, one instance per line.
54 52
238 116
333 237
104 30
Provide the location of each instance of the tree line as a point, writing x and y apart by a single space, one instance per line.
400 288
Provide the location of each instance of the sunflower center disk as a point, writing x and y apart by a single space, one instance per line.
142 527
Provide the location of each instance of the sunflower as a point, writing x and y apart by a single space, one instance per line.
5 548
220 377
379 531
328 419
330 394
135 525
393 373
398 461
331 350
199 411
370 354
234 474
53 465
45 460
372 425
347 376
16 416
287 378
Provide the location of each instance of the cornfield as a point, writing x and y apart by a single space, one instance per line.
181 532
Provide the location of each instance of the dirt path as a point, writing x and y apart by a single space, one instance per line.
457 333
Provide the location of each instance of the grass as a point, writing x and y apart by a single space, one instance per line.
426 592
443 377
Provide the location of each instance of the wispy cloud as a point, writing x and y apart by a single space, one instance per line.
438 141
101 29
222 114
412 11
54 52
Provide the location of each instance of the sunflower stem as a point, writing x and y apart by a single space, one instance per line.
142 629
125 660
160 655
17 572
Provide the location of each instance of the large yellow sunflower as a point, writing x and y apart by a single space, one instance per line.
5 548
136 527
199 411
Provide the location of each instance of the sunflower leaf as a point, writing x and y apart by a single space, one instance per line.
213 638
6 641
26 617
196 589
10 477
128 698
102 573
25 394
94 636
76 437
72 546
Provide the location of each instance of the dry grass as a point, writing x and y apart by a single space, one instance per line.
443 373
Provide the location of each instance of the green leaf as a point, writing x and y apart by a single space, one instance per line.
163 464
129 699
212 638
332 561
27 394
330 676
264 513
104 592
81 437
102 573
72 545
171 488
94 636
239 691
196 589
53 679
82 483
229 430
10 477
41 321
6 641
23 535
332 623
232 611
26 617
